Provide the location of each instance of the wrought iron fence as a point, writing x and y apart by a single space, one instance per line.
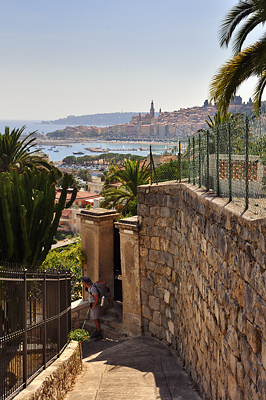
35 318
229 159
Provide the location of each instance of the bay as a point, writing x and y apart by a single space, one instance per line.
59 152
31 125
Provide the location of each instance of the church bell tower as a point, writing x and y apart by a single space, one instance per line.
152 110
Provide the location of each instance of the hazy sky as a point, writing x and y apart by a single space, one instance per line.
84 57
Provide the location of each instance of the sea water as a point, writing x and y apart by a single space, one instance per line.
59 152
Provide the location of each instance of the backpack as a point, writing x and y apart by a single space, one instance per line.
103 290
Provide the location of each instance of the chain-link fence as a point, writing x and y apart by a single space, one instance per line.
228 159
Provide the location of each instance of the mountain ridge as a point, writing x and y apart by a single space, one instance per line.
95 119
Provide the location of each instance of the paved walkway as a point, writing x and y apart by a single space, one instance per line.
141 368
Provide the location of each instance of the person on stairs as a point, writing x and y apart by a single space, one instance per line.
94 300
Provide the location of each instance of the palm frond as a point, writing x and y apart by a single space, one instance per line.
249 62
245 30
130 175
234 17
259 91
20 153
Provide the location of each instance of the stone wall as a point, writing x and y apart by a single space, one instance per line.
203 287
79 309
54 382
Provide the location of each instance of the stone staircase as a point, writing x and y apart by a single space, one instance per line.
111 322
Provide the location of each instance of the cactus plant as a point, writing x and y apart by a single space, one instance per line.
29 216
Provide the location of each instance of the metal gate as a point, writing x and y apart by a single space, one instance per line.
117 267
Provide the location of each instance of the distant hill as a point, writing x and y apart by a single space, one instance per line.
107 119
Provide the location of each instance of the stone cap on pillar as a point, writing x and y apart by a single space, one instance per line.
131 223
97 214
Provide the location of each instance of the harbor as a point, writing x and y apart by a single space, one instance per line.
58 151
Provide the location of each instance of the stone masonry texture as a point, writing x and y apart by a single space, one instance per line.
203 287
54 382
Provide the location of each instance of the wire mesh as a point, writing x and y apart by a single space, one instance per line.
229 159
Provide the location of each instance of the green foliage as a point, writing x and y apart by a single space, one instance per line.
220 123
70 160
60 235
170 171
18 153
29 216
130 175
245 63
84 174
70 258
109 158
80 335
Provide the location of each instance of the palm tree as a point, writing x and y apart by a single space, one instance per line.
130 175
19 153
247 62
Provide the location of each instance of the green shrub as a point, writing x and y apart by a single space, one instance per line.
80 335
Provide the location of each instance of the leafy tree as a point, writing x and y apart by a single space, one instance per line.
84 174
130 175
70 160
70 258
29 216
246 62
169 171
19 153
109 158
220 122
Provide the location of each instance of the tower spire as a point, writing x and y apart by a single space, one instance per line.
152 109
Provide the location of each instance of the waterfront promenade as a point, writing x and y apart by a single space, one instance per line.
141 368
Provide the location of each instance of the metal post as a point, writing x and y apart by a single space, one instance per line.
25 361
193 159
246 165
151 164
44 320
217 160
180 165
58 313
69 302
66 306
208 161
152 167
199 160
229 162
188 161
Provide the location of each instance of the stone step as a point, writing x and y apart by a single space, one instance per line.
116 325
107 331
114 312
112 322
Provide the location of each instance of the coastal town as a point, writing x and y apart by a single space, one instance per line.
161 126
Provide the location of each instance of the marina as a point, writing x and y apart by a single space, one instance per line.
57 152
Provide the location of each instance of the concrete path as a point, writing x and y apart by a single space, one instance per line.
141 368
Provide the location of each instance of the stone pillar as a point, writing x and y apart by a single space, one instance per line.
97 240
129 252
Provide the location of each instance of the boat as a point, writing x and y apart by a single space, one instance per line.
56 151
78 152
